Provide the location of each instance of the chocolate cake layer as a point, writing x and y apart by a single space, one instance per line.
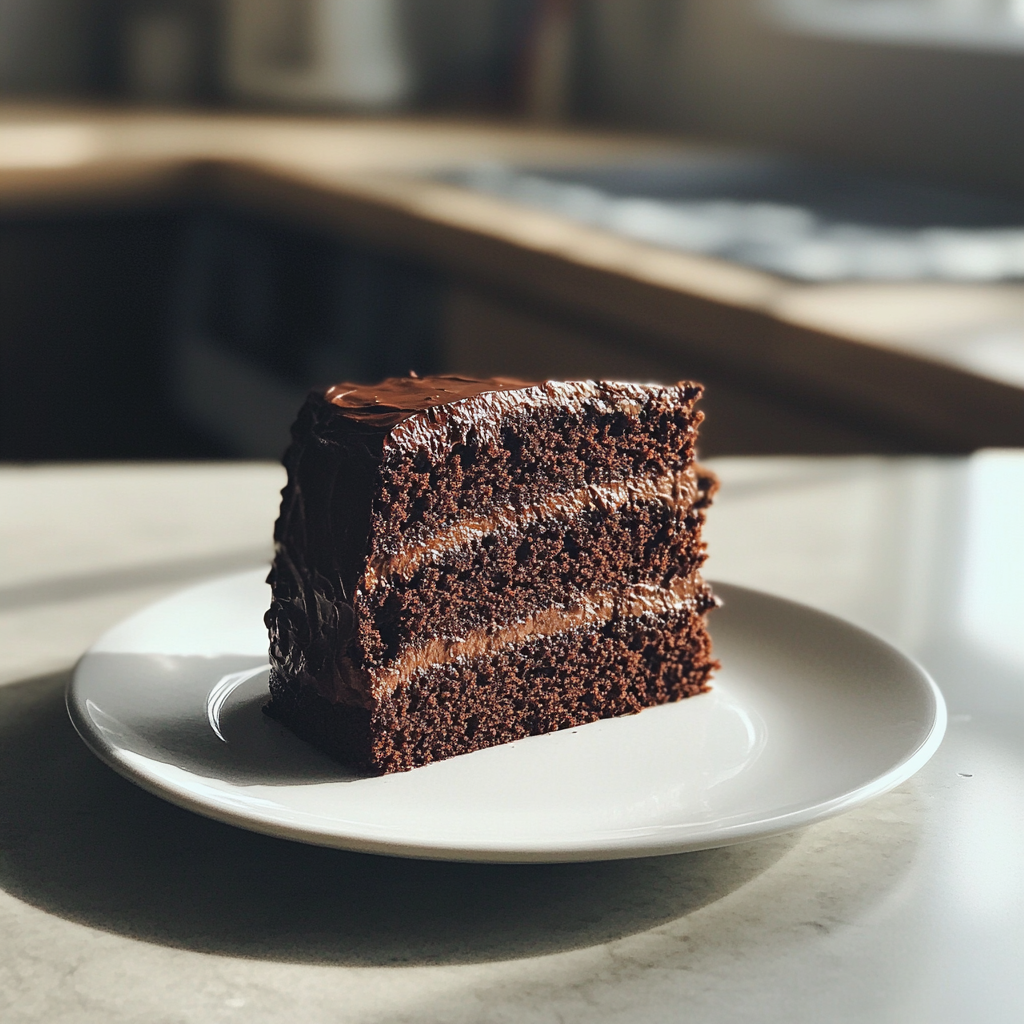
439 463
536 686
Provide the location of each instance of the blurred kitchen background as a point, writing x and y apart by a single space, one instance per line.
814 206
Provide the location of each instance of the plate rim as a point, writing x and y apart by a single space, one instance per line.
648 844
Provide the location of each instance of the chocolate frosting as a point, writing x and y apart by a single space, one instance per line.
436 414
388 403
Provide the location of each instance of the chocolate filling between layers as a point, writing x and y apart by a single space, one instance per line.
509 576
595 609
521 559
677 490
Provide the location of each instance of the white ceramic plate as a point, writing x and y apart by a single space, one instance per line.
808 717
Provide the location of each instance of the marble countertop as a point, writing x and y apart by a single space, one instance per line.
117 907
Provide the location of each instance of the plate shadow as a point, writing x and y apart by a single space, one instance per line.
80 842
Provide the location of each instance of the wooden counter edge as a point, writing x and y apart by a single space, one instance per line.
711 313
723 320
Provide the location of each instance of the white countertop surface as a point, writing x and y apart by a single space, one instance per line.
116 907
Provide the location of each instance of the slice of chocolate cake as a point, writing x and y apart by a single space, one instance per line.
462 563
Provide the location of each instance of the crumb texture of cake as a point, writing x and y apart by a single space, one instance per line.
461 563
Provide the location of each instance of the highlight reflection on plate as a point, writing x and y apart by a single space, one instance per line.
808 717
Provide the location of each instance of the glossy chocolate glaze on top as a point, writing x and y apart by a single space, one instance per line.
398 398
435 415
